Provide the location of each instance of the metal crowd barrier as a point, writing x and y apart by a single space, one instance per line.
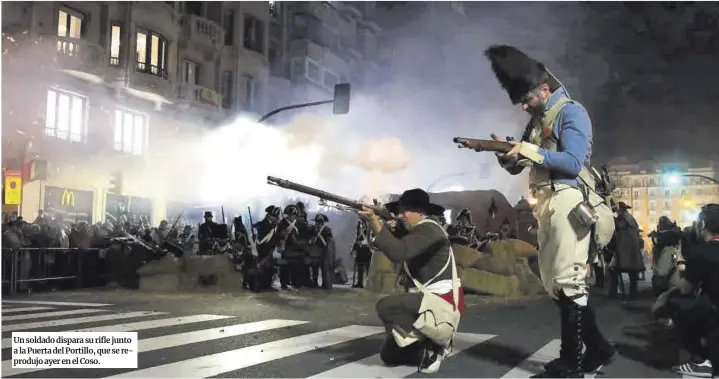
28 269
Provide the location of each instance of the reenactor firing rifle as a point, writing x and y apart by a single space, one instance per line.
326 196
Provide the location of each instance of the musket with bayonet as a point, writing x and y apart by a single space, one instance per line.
329 197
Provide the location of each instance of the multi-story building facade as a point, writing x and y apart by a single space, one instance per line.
91 89
315 45
654 190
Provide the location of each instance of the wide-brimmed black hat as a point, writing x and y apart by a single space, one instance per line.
416 200
623 205
516 72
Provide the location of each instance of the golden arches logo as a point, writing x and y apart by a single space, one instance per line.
68 198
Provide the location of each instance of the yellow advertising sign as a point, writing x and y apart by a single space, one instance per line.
68 198
207 95
13 188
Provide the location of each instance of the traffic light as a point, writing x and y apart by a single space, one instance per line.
341 103
116 182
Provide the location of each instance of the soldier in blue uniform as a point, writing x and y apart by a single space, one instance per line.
556 146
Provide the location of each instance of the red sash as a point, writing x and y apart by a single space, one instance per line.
460 297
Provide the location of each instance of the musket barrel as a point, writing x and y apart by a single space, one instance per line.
325 195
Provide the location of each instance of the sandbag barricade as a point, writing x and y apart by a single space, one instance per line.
199 272
505 269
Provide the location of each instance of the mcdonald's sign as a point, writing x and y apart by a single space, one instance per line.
68 198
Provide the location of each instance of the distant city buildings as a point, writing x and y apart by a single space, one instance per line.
114 82
315 45
654 190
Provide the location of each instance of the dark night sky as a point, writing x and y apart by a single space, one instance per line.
662 83
646 71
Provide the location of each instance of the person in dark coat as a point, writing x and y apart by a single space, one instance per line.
627 253
205 234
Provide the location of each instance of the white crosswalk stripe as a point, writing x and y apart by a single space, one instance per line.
60 303
141 325
33 316
216 364
203 328
80 320
6 311
372 366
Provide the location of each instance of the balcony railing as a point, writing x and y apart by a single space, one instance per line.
75 53
200 29
199 95
151 69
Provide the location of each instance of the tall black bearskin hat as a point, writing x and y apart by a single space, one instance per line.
516 72
273 211
300 205
291 210
321 218
464 213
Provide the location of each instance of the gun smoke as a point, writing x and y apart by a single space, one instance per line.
397 136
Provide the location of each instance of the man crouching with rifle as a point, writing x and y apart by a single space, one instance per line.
422 322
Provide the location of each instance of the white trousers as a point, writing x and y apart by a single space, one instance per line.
563 243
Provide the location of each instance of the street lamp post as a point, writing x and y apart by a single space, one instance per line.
341 101
676 178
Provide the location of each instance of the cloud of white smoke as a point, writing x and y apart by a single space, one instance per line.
397 135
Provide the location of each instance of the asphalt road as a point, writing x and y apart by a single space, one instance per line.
318 333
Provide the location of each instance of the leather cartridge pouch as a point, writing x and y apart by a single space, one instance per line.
438 319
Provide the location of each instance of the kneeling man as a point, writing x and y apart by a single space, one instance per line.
422 322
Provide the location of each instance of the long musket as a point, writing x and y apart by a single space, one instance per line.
322 195
482 144
325 203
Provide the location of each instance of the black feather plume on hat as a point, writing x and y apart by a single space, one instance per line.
516 72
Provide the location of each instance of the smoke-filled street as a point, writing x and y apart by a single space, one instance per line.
359 189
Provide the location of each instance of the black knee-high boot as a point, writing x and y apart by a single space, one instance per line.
569 364
599 351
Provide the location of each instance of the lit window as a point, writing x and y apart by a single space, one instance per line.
151 52
66 115
68 25
130 132
115 38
